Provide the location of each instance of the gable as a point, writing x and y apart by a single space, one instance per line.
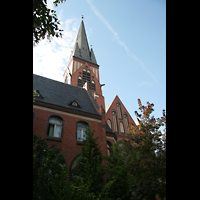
120 118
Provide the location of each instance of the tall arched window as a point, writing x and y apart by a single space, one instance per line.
109 123
121 127
74 166
55 127
109 149
114 115
126 123
119 112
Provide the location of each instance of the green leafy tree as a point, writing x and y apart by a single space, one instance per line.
148 163
50 179
34 94
45 21
89 167
118 176
137 168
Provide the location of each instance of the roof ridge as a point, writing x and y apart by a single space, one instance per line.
57 81
108 107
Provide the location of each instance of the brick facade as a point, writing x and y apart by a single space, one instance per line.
109 116
68 140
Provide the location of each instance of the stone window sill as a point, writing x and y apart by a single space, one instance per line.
79 142
54 139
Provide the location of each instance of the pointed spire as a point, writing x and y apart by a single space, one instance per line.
81 47
76 50
93 59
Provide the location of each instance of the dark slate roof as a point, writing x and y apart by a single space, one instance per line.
62 94
94 100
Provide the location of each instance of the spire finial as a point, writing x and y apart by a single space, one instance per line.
82 17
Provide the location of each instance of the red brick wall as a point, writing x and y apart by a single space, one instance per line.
74 80
68 141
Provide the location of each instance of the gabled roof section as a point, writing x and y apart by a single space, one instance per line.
81 48
115 100
63 95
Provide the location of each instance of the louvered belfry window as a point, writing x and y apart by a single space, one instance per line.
84 75
88 76
92 85
80 81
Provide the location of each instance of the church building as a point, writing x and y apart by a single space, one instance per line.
62 111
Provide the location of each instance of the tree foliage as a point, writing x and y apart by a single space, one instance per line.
49 171
136 170
45 21
34 94
89 165
117 172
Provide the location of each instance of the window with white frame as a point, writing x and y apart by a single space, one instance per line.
81 131
55 126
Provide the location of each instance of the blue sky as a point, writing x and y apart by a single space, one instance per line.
129 42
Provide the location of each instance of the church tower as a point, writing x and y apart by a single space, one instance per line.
82 69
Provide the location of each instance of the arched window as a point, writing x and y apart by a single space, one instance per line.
80 81
119 112
74 166
109 123
81 131
126 123
114 115
121 127
109 149
55 127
